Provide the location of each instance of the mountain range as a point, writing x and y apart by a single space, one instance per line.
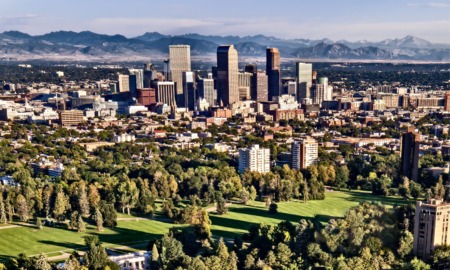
68 45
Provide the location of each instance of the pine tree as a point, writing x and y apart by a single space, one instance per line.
155 258
22 208
9 211
61 205
81 225
3 218
94 196
73 222
83 202
98 219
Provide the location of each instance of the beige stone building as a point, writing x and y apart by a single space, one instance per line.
431 226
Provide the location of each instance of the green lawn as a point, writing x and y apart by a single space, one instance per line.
52 240
239 218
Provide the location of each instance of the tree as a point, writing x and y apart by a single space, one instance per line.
406 244
415 189
109 214
155 264
252 194
221 205
439 189
93 196
98 219
83 202
416 264
203 229
81 225
61 205
273 208
22 208
441 254
39 223
73 222
42 263
3 217
95 256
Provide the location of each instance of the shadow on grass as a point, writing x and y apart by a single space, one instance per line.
5 258
367 197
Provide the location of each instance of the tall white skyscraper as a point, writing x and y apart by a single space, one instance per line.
206 89
304 80
304 153
254 159
180 61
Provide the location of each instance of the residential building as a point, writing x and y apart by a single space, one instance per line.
304 153
254 159
133 261
431 227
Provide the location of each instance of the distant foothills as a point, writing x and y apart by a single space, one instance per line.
67 45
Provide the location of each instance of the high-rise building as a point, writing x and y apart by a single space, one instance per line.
304 153
409 166
250 68
273 72
227 75
245 84
431 227
139 73
150 74
189 90
304 80
254 159
180 61
447 101
146 96
262 92
124 83
206 90
132 79
165 93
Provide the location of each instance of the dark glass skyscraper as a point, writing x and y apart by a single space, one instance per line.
227 75
410 155
273 72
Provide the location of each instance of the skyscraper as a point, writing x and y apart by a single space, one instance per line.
250 68
149 75
165 93
273 72
245 84
139 77
180 61
189 90
304 80
261 86
409 166
206 90
227 75
254 159
304 153
431 227
124 83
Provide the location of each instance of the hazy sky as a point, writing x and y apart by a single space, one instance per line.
335 19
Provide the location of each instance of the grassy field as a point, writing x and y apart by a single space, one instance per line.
129 232
240 217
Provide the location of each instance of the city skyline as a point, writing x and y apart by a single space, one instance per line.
355 21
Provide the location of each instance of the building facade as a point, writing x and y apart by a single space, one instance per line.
227 75
273 72
431 227
409 165
304 153
304 80
180 61
254 159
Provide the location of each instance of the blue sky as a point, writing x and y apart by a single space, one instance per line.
335 19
